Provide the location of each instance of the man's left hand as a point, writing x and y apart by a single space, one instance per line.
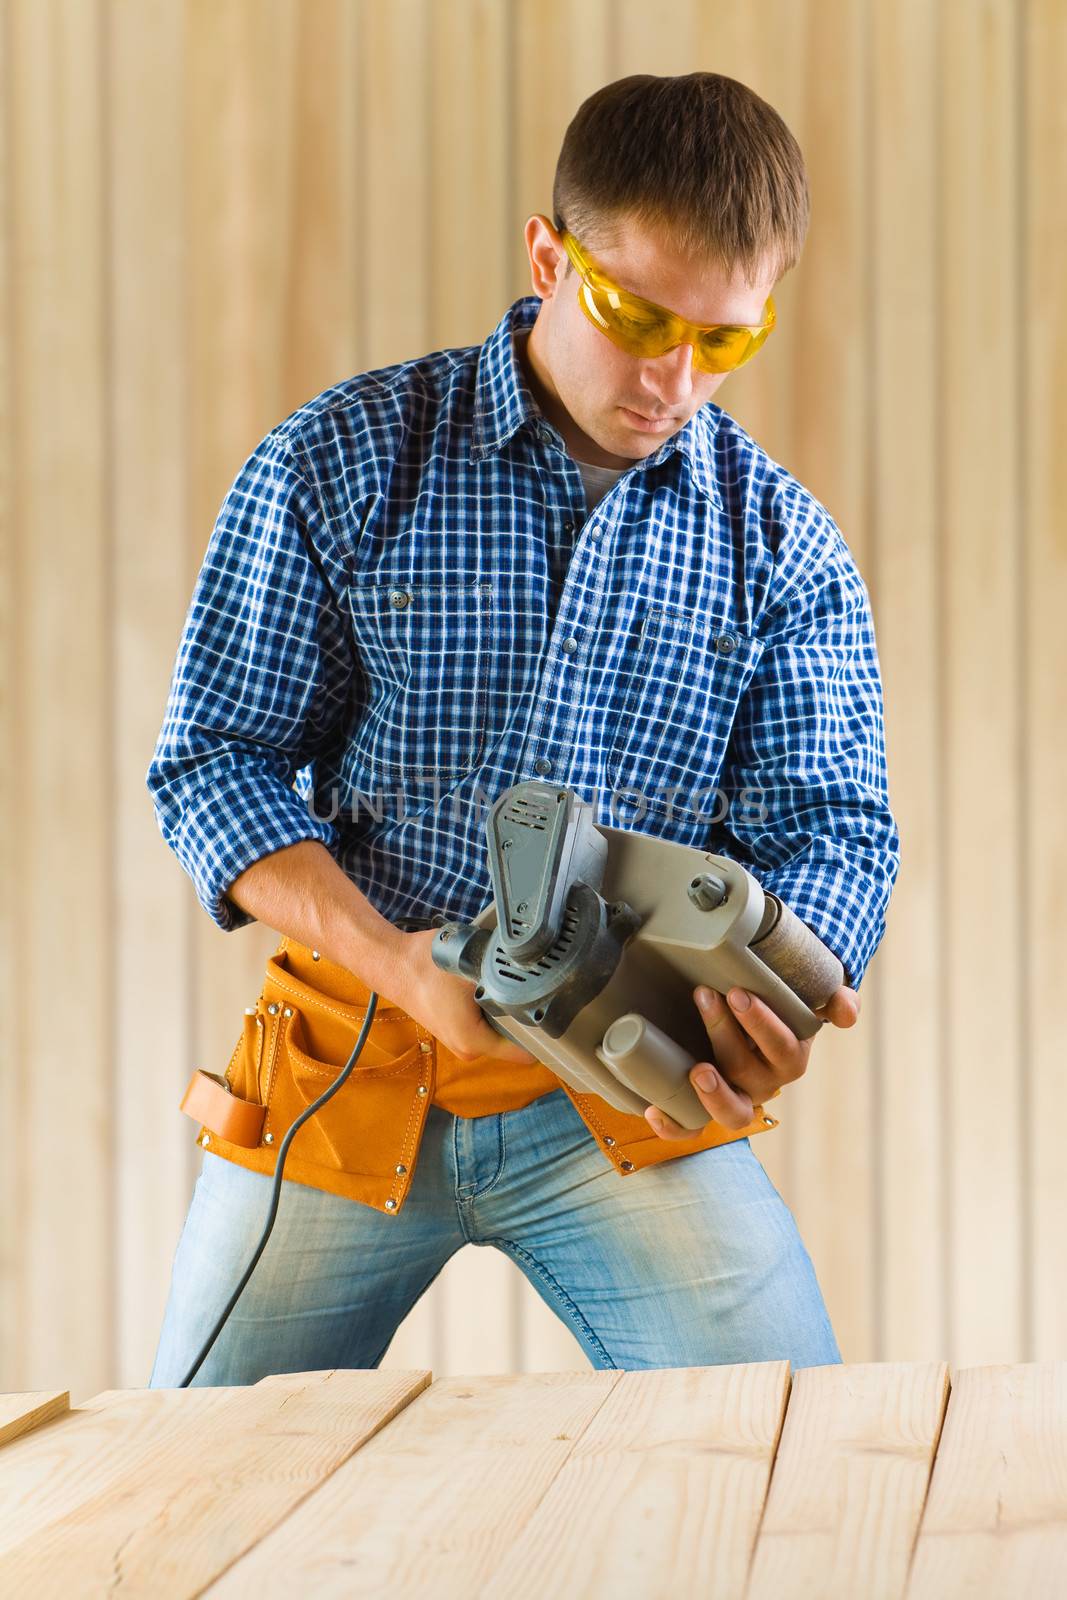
755 1054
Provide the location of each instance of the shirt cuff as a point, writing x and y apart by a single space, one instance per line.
229 824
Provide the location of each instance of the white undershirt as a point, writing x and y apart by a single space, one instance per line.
597 480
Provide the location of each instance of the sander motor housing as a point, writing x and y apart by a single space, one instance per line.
589 952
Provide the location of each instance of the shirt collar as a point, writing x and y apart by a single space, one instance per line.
504 402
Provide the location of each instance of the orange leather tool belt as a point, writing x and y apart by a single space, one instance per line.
294 1042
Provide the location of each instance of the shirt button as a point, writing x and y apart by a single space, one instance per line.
399 598
485 588
570 646
725 643
568 527
543 766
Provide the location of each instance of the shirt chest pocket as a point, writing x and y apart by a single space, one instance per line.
682 679
425 650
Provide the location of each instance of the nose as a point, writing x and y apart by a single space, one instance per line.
672 377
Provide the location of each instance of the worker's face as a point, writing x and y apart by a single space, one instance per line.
584 383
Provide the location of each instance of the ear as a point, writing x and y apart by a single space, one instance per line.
547 256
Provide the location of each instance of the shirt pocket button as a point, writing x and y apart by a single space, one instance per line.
399 598
726 643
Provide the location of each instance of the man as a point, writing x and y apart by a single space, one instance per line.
548 555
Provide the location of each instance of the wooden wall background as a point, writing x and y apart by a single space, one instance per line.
214 209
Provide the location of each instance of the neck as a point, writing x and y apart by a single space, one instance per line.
535 369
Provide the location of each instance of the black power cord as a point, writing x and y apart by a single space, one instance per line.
283 1151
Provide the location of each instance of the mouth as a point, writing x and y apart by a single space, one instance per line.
646 424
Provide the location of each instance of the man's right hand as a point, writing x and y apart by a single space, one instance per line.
444 1003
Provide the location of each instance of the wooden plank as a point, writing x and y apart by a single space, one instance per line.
21 1413
63 810
852 1471
662 1494
445 1488
1043 315
996 1516
213 1487
48 1474
981 1010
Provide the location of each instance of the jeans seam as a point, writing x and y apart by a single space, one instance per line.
571 1311
502 1156
502 1147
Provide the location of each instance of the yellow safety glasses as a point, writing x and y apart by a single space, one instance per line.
642 328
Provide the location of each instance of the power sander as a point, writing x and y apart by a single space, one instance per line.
589 952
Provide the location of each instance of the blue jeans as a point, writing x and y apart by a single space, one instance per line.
692 1262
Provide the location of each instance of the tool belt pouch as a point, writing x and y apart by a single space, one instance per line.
293 1044
211 1101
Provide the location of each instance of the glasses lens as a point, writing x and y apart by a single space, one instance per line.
641 330
724 349
633 324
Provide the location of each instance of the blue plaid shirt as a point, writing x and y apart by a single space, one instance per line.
404 608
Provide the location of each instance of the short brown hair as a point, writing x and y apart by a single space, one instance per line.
699 158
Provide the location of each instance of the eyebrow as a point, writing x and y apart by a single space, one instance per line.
716 322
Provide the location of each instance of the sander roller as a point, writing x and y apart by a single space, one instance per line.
589 952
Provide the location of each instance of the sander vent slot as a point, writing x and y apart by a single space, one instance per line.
522 813
551 957
506 970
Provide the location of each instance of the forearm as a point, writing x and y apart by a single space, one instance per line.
302 893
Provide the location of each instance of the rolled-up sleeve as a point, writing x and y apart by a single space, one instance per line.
259 686
805 768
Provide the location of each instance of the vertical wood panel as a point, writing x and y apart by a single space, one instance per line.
833 1144
561 55
1043 415
394 84
63 810
913 1123
14 1171
980 837
147 452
